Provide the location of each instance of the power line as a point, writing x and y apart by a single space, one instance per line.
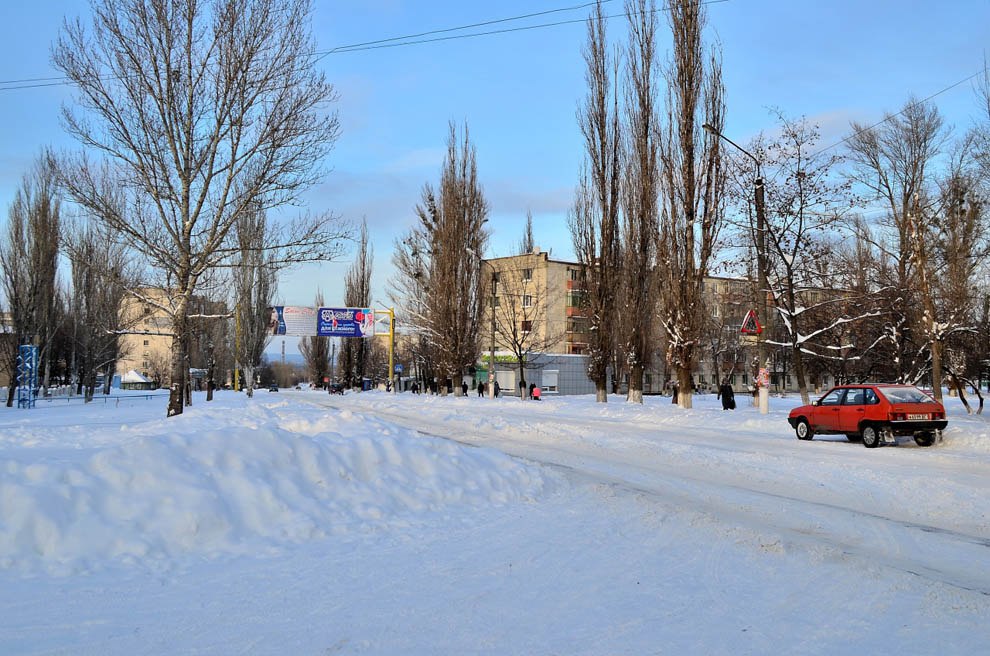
398 41
38 82
383 43
356 46
899 113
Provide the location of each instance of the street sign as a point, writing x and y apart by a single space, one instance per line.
750 326
398 368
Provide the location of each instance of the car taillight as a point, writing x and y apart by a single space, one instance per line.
897 416
938 415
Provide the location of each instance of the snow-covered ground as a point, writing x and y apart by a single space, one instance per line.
298 523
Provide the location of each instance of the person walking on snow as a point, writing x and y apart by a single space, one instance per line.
727 395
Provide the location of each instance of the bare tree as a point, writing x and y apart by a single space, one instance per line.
805 202
893 163
522 319
355 353
101 275
202 111
594 221
254 291
527 244
316 352
693 180
640 200
441 260
29 263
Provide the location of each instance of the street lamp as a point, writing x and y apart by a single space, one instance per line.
761 266
491 307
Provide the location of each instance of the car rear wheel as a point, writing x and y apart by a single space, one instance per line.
871 436
803 429
924 439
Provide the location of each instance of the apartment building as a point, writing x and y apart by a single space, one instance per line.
539 302
147 347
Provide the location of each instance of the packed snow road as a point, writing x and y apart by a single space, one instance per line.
917 510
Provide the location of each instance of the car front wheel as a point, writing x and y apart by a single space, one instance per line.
871 436
803 429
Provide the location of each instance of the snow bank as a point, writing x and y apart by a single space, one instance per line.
226 479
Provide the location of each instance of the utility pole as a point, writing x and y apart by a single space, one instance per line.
761 375
491 354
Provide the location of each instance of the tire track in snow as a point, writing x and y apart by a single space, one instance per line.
931 552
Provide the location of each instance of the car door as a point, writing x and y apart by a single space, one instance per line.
826 416
852 410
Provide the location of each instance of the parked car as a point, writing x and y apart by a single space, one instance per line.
875 414
337 388
273 387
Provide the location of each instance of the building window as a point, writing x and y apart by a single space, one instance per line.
497 302
575 298
527 301
527 275
575 274
145 342
550 380
144 364
527 326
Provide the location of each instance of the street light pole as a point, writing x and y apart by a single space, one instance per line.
491 353
761 381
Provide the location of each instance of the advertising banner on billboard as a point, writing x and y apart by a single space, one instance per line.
345 322
292 320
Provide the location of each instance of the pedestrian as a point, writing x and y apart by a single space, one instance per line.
497 389
727 395
463 388
673 398
532 386
536 393
481 390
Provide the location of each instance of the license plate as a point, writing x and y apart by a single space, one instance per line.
917 417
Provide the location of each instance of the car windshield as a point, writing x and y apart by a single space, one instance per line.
905 395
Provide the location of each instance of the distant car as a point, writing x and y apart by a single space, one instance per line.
875 414
273 387
336 388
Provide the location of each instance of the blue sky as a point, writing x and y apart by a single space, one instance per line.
831 61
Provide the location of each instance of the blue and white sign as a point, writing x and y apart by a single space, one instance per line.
345 322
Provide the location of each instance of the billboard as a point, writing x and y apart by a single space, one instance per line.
292 320
345 322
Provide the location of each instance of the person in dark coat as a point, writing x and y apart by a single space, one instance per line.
481 390
727 395
497 389
464 388
531 386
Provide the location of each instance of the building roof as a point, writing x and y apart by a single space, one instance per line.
133 376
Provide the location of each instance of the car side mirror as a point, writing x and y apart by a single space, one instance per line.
815 402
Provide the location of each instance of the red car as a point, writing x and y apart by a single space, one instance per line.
875 414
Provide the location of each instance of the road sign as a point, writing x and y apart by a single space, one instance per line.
750 326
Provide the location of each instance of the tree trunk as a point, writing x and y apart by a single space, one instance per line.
635 384
180 370
798 361
249 380
685 394
936 349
